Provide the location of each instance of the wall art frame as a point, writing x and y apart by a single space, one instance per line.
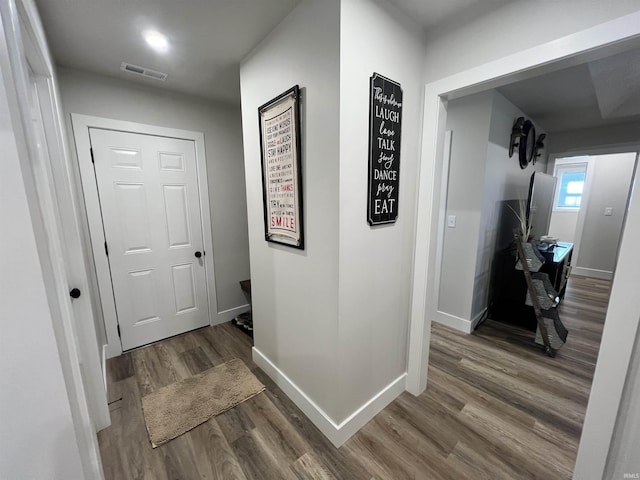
385 131
279 125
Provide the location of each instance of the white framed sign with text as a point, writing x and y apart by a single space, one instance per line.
281 173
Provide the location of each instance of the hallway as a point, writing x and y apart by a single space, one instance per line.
495 407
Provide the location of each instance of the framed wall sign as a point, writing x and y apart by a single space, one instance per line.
385 127
281 172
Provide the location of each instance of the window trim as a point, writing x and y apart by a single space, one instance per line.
577 167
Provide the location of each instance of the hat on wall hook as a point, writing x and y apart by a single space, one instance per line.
517 132
538 146
527 143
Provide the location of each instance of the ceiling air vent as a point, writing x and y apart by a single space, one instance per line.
145 72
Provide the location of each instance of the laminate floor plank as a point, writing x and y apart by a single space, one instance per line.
496 407
335 460
179 460
538 455
119 368
276 430
213 453
258 460
235 423
409 447
473 462
309 467
196 360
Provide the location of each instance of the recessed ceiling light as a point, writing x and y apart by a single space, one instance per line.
156 40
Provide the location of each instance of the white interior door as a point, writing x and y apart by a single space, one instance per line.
148 188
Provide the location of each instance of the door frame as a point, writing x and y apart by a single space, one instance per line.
55 220
591 43
556 159
81 125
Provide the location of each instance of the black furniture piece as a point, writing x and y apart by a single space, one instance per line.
509 287
558 265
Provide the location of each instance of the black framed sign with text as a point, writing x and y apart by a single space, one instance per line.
385 127
281 173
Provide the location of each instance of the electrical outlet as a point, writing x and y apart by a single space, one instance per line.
451 221
608 211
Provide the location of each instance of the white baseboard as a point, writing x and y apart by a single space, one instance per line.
229 314
592 272
336 433
113 350
476 319
457 323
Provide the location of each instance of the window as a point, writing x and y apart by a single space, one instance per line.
571 178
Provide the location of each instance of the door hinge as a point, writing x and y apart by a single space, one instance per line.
106 249
119 331
91 151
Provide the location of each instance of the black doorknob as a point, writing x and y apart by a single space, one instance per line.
75 293
198 254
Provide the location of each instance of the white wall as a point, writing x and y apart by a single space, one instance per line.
563 226
101 96
610 183
458 45
481 178
334 318
295 293
37 438
623 457
594 138
469 119
375 262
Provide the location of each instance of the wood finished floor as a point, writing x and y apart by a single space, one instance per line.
496 408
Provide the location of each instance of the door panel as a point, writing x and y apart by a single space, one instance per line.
177 215
184 288
134 231
171 161
122 158
150 207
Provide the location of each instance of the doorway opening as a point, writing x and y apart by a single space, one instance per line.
596 43
150 228
589 205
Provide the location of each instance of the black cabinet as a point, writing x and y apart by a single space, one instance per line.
509 287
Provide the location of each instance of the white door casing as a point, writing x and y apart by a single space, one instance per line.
148 189
81 125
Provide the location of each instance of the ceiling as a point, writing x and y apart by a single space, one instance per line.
599 93
433 13
208 38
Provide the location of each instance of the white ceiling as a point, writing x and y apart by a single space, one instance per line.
432 13
208 38
603 92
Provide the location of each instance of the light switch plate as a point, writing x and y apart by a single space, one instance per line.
608 211
451 221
